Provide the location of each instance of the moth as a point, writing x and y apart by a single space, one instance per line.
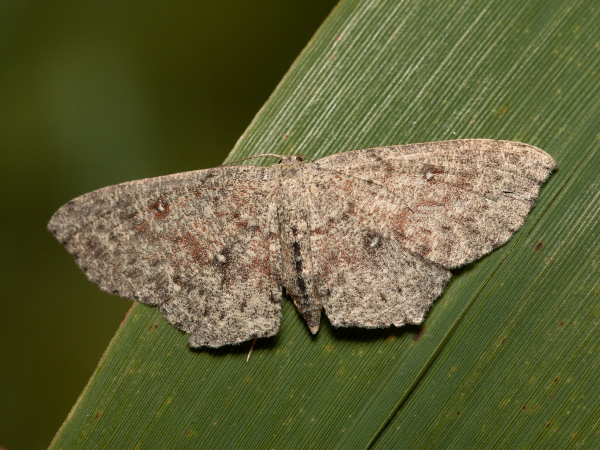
369 236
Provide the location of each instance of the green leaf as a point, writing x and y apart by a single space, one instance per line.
508 357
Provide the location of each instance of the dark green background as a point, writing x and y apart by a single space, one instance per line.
96 93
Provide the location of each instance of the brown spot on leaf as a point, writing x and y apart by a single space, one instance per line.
503 110
538 246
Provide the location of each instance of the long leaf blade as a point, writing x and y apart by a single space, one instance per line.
388 72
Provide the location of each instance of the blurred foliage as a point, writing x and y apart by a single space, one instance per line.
507 358
94 93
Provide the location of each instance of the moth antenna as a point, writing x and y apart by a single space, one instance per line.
254 157
306 157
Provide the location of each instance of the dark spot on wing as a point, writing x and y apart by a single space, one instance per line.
372 240
160 283
299 265
252 229
301 286
435 169
161 208
222 261
132 272
296 248
430 171
94 249
424 250
351 208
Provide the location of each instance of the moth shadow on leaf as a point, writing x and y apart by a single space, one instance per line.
263 343
357 334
